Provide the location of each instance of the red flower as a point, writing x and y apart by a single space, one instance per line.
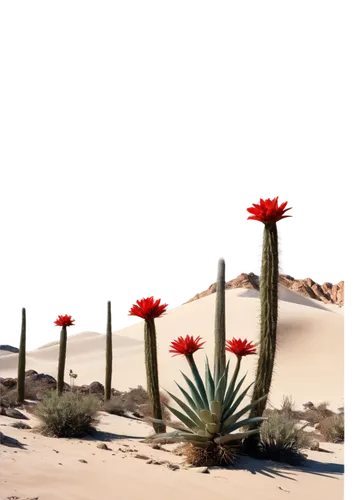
64 321
148 308
186 346
240 347
268 211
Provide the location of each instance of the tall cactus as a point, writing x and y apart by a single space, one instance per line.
61 361
268 212
268 317
22 361
148 309
151 364
109 355
219 356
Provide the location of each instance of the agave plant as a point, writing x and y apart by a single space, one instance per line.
211 412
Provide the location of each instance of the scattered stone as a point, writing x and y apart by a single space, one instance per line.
20 425
13 413
59 463
141 457
96 388
308 406
173 466
156 446
137 414
83 461
200 470
56 451
103 446
28 373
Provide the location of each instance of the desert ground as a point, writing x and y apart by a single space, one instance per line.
309 367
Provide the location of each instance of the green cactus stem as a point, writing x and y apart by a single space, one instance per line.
109 355
62 361
151 364
269 314
22 361
219 353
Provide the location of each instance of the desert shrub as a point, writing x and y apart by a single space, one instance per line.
68 415
134 400
288 406
282 440
332 428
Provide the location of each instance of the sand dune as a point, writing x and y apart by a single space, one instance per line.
309 361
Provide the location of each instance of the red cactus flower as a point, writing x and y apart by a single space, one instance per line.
64 321
148 308
186 346
240 347
268 211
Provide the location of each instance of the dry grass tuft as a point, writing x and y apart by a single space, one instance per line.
332 428
201 457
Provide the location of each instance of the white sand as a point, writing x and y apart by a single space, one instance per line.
309 367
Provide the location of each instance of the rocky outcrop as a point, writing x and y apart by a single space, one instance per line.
327 293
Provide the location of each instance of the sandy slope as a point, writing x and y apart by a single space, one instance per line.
309 366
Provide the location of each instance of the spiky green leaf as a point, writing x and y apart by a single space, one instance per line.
221 387
233 407
183 418
210 384
188 398
236 416
235 437
242 423
195 393
193 416
230 398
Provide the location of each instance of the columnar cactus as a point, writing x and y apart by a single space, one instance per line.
22 361
219 356
148 309
64 322
109 355
268 212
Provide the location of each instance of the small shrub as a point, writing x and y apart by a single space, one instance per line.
288 406
68 415
281 440
332 428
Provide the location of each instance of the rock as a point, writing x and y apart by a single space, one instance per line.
84 389
308 406
43 377
156 446
83 461
96 388
28 373
315 445
200 470
9 383
20 425
13 413
141 457
173 466
103 446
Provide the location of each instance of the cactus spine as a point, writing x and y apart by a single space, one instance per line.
62 360
269 314
22 361
109 354
219 356
151 364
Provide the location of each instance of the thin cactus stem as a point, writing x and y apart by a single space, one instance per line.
269 315
151 364
62 361
109 355
22 361
219 353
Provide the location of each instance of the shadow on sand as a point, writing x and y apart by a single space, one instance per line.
275 469
11 442
109 436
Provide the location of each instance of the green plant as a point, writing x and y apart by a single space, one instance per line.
22 361
209 414
109 355
68 415
219 354
149 310
268 212
64 322
282 440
